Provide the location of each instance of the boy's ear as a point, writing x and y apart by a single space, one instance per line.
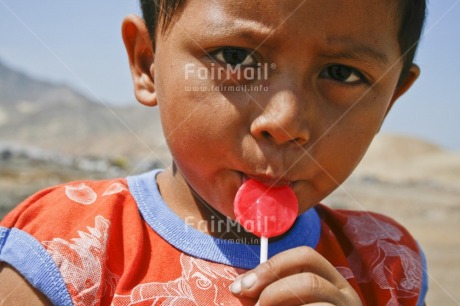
141 55
412 76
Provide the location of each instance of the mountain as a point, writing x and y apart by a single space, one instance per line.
399 159
56 117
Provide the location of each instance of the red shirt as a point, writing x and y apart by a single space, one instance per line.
116 242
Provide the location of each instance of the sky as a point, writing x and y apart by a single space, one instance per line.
79 43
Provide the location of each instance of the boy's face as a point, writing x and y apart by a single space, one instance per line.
327 77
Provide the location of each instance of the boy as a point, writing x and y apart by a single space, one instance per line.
289 93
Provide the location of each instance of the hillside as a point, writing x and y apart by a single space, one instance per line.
406 160
58 118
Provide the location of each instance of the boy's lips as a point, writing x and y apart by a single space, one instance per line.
268 180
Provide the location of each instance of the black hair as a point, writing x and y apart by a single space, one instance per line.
412 15
158 14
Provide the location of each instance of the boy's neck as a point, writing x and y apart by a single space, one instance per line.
195 212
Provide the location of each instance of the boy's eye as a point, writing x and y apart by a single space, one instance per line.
343 74
234 56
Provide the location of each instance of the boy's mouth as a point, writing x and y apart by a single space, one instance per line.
270 181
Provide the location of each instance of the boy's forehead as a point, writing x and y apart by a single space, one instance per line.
268 16
276 11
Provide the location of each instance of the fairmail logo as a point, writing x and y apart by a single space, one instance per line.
228 72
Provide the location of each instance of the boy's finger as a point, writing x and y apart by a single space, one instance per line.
293 261
300 289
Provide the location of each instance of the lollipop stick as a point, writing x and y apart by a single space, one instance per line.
263 249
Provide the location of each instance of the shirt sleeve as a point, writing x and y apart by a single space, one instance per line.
23 251
424 289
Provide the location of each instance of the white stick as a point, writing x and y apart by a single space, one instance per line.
263 249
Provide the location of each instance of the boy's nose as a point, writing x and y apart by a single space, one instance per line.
283 120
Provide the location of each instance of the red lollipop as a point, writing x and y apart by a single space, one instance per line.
265 211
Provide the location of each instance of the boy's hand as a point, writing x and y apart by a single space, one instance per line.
299 276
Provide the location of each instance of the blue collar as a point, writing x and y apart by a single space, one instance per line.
305 231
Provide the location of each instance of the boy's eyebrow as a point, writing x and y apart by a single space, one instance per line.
357 50
248 29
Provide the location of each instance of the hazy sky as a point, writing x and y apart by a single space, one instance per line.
79 43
